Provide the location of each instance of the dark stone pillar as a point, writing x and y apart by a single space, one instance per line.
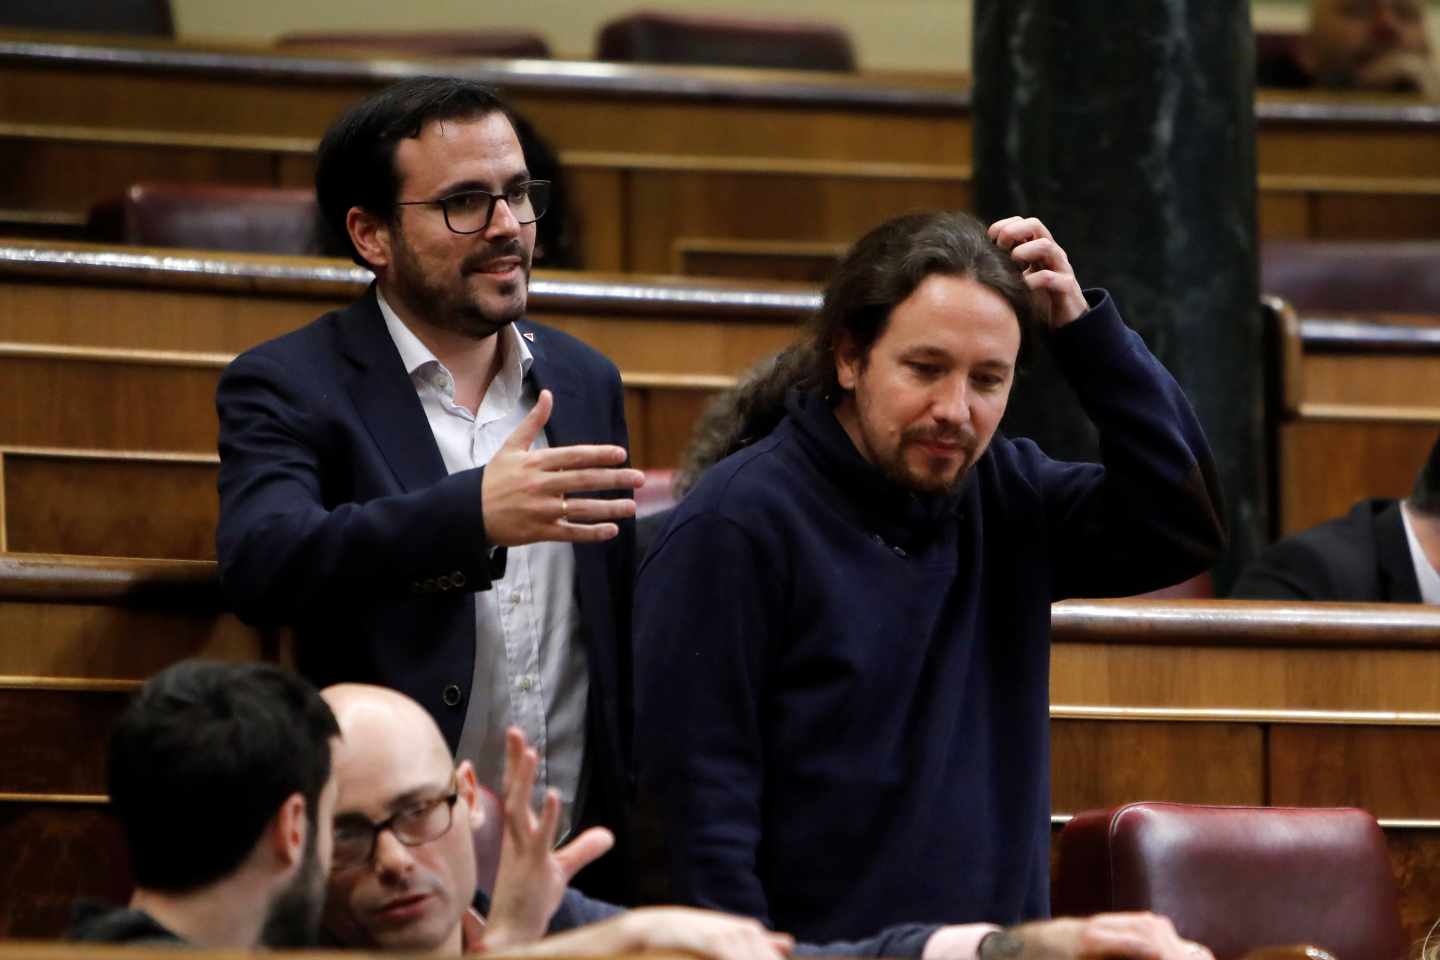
1128 127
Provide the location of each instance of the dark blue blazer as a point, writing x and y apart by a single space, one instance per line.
337 517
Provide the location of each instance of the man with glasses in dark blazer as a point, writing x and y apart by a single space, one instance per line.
404 481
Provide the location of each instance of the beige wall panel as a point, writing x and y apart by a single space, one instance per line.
1097 764
1244 678
64 402
1327 465
1387 770
106 642
106 507
147 319
52 175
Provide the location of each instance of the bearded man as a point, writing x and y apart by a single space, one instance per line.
842 635
396 477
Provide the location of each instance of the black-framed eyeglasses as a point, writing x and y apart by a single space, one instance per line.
469 211
419 823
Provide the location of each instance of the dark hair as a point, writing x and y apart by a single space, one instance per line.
879 272
1425 496
204 756
355 163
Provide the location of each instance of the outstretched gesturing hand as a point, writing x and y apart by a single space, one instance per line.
525 491
533 875
1047 268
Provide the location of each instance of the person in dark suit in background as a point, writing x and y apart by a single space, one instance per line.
1382 551
402 480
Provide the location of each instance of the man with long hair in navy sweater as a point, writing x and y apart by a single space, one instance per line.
842 635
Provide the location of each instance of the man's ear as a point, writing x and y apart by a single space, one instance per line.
469 786
288 830
848 362
371 236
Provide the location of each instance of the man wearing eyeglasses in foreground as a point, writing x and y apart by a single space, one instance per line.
377 464
404 871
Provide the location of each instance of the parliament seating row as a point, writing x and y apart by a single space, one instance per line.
1202 702
693 170
135 342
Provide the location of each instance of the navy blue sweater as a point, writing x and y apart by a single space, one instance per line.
842 687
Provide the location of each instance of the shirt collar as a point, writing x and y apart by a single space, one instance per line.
1425 574
516 358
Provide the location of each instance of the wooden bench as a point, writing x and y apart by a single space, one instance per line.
1356 409
135 340
706 171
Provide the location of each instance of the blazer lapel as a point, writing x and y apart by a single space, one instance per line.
550 372
1392 551
386 399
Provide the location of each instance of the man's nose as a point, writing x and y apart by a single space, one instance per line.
503 222
392 858
951 403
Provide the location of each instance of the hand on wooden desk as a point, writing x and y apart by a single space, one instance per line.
1133 936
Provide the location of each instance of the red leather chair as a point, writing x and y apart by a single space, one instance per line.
133 17
1238 878
652 37
1373 277
426 43
214 217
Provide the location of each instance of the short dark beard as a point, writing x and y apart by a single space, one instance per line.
293 918
439 309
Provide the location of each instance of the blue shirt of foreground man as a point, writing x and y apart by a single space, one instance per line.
842 645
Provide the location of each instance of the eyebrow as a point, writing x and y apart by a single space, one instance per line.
399 802
465 186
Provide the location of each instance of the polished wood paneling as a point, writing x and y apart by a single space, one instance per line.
1101 763
1384 770
54 739
135 506
55 854
1368 380
52 398
1415 858
1328 464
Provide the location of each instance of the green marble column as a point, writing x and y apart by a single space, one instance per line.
1128 127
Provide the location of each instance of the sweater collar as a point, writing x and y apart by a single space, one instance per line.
901 517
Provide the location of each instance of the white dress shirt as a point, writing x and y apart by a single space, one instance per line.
1425 574
530 664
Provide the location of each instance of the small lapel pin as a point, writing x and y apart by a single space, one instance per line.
528 336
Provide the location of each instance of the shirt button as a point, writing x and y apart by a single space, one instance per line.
515 597
457 579
443 581
526 684
452 695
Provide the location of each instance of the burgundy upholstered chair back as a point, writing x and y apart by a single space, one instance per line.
425 43
1238 878
649 37
487 841
1362 277
151 18
214 217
